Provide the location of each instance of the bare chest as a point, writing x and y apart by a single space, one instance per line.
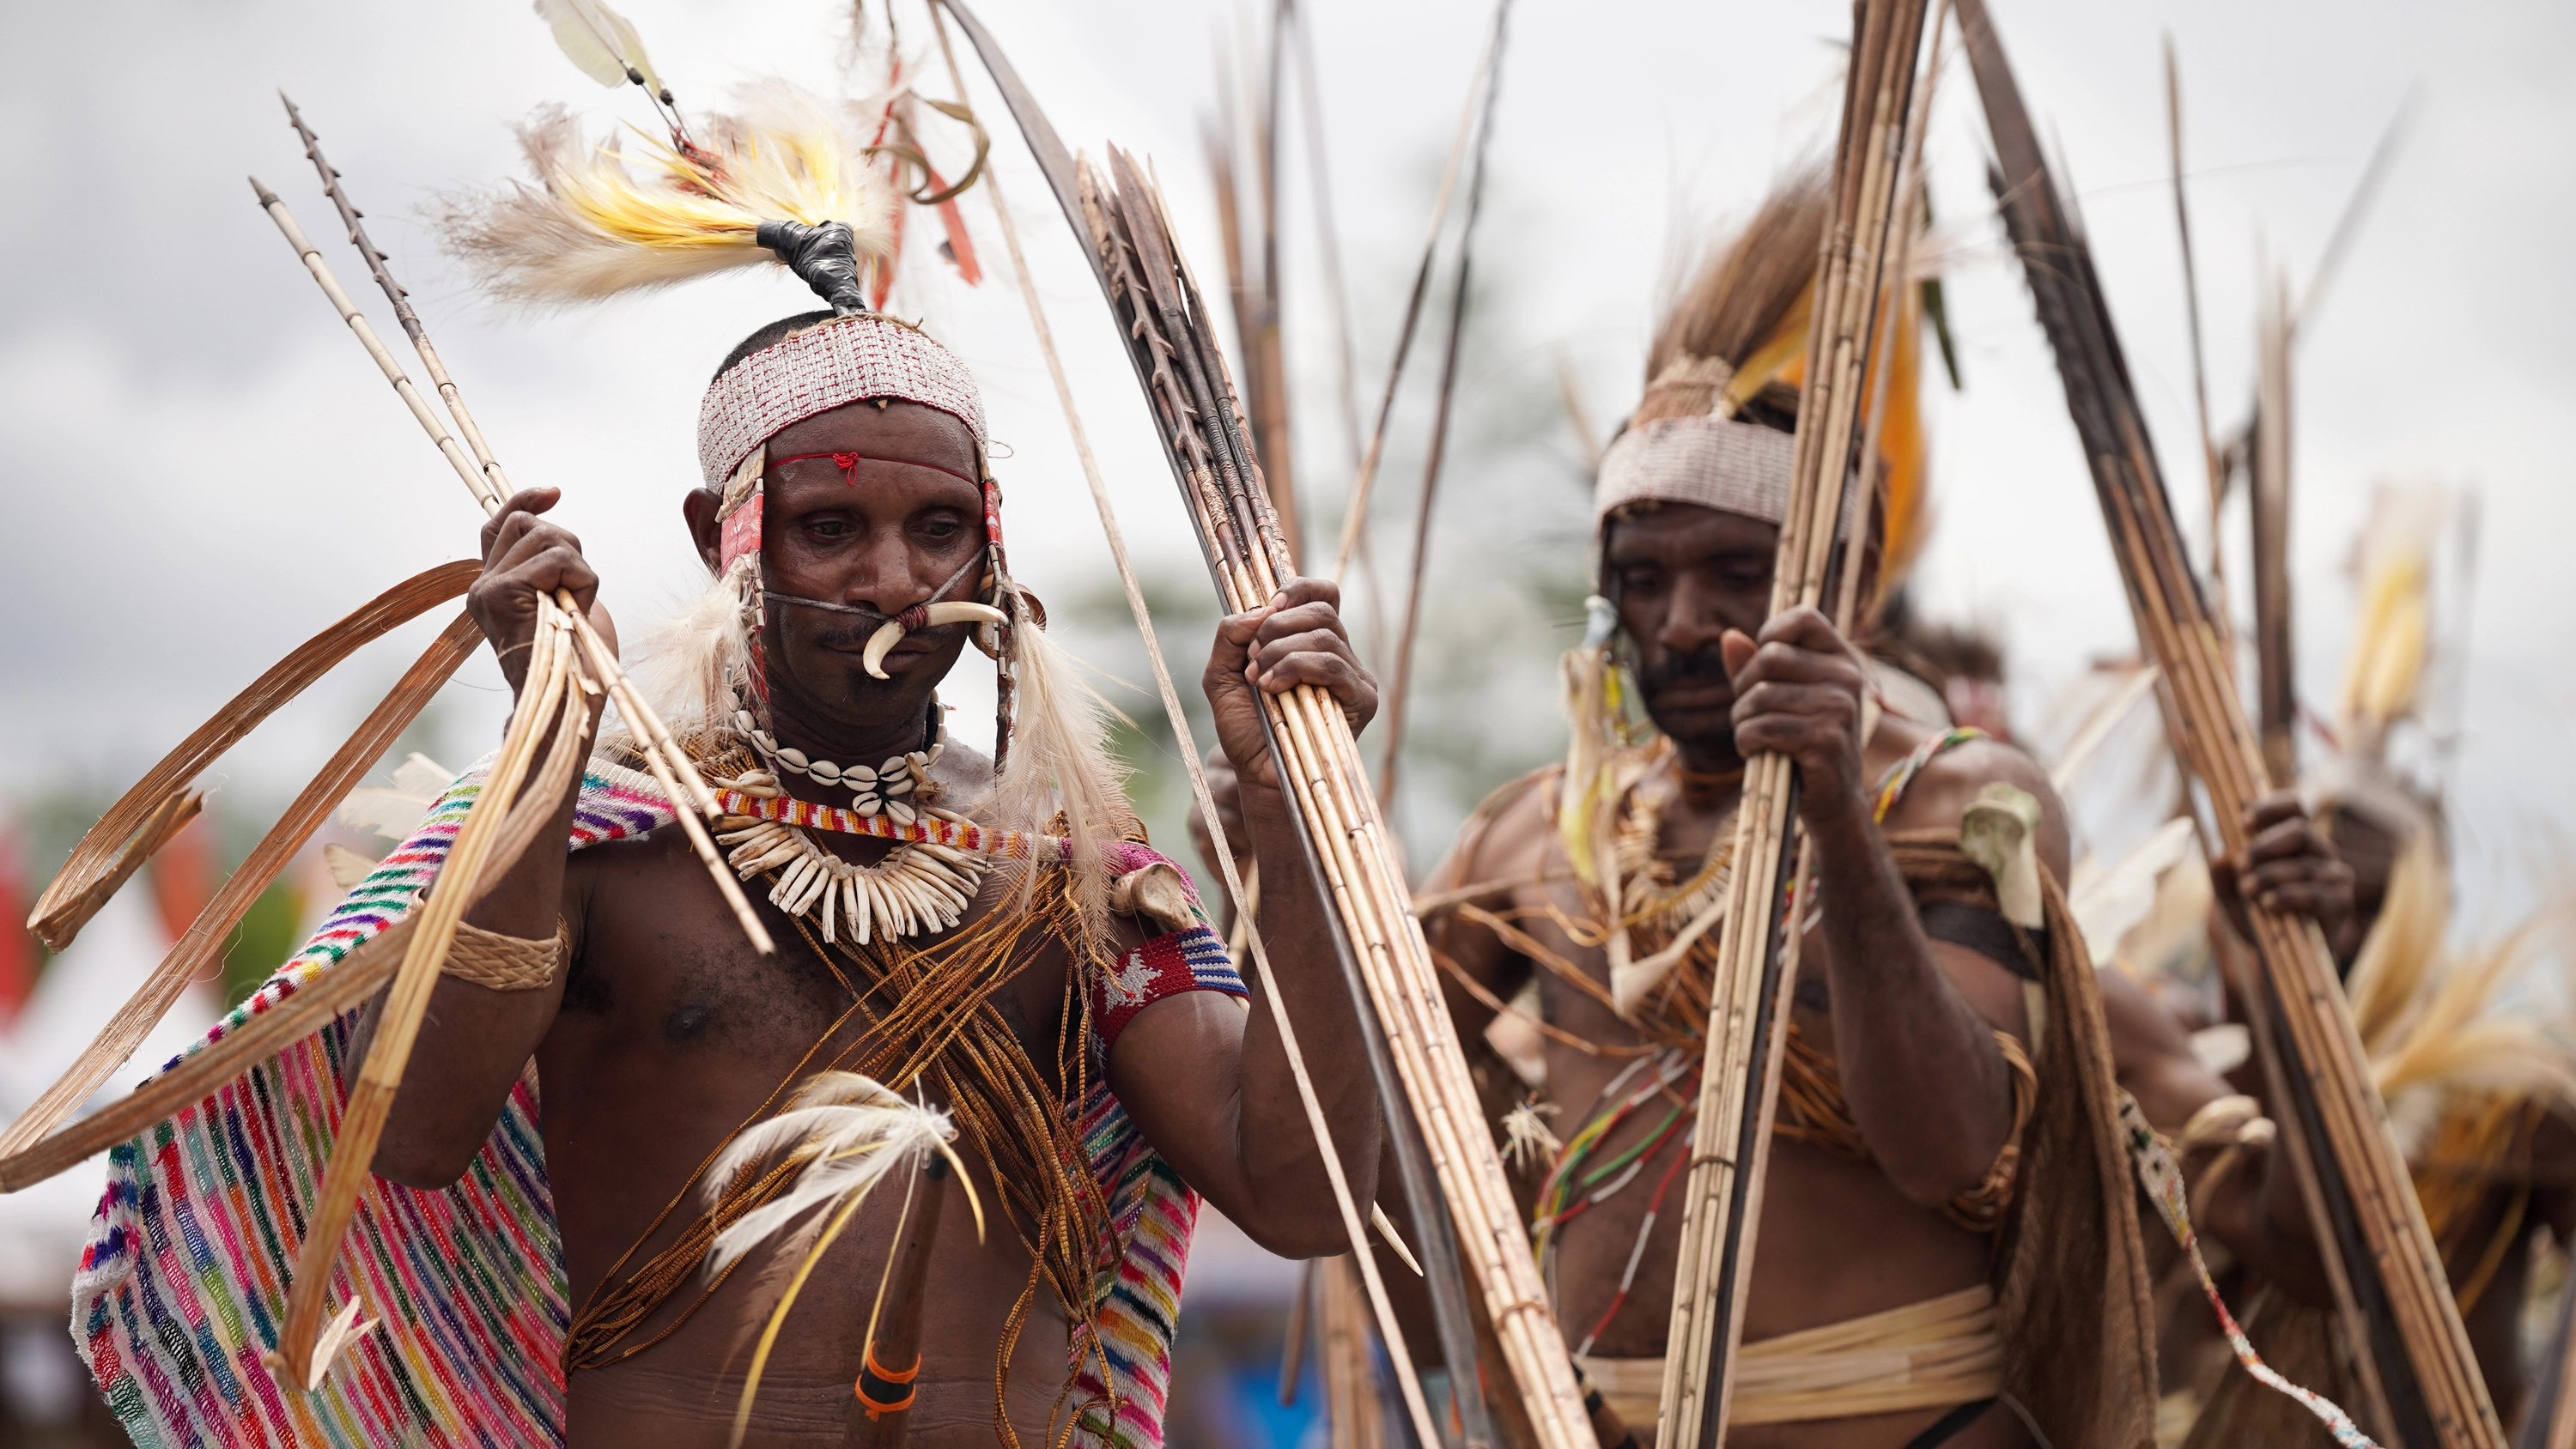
674 1035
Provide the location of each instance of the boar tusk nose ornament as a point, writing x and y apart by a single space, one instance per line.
923 616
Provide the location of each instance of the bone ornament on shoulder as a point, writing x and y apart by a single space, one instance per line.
2000 832
1155 893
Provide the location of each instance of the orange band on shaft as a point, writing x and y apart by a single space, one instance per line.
887 1374
871 1369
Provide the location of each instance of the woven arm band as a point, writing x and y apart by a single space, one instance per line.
1981 1208
506 963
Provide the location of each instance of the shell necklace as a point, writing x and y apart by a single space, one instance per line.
920 888
871 790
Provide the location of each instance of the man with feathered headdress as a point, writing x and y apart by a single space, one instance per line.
1949 1251
990 936
2481 1090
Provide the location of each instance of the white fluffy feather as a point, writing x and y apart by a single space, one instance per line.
593 227
1060 759
852 1132
684 667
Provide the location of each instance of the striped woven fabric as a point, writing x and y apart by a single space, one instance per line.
183 1281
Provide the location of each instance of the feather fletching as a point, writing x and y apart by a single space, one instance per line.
2428 1015
597 225
852 1132
603 43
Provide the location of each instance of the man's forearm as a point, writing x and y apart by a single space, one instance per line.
1919 1067
474 1040
1277 1145
2262 1217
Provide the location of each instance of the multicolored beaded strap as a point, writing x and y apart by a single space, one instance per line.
2161 1176
1892 785
930 829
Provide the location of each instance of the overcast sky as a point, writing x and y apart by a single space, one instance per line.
202 469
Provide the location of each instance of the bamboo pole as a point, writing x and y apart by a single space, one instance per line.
1271 432
1757 948
2211 460
2387 1271
1209 462
1292 1350
1328 236
670 765
1400 689
1899 279
1355 512
2276 691
1244 893
1355 1419
1171 345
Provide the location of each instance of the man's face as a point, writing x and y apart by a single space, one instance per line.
1683 575
883 535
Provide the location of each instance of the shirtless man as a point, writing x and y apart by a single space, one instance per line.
1911 1025
2488 1193
667 1032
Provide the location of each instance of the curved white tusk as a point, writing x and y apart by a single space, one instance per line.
891 632
966 614
885 638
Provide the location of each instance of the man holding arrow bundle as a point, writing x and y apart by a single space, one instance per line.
989 938
1948 1250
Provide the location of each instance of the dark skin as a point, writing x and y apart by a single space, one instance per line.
2541 1163
1910 1022
667 1030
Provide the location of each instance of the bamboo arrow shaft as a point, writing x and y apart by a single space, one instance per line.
483 477
1246 906
385 363
1757 945
1399 990
2388 1274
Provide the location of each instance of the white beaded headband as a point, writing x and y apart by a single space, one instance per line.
828 365
1714 462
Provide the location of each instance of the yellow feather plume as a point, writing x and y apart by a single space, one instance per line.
2427 1014
595 226
2384 676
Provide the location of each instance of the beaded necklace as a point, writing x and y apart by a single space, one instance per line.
1575 1185
872 790
925 886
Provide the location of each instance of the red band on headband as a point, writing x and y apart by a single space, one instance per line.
849 463
740 532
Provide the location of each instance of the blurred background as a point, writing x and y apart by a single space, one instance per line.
202 469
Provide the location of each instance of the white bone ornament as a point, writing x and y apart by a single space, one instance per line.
891 632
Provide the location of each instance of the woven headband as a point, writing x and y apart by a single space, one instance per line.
1710 461
825 366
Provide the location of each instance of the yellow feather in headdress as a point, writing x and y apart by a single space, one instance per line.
1736 339
594 227
2428 1016
2384 676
